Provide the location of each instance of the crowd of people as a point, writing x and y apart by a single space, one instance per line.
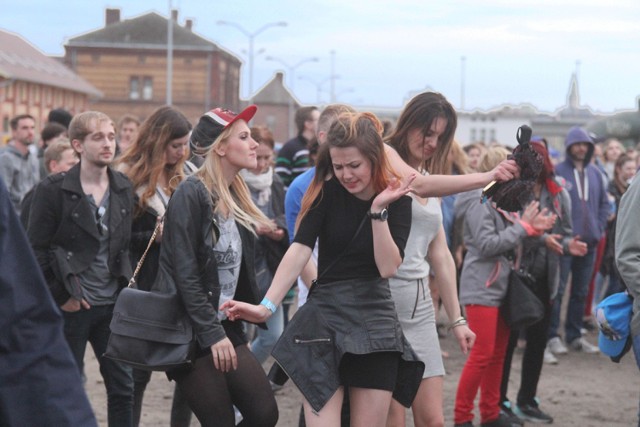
369 228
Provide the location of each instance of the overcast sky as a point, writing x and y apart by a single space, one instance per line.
516 51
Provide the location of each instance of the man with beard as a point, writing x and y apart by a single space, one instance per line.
589 211
20 168
80 228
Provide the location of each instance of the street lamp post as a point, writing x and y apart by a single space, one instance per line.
318 85
291 69
344 91
251 37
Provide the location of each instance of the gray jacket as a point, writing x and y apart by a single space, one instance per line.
628 247
488 237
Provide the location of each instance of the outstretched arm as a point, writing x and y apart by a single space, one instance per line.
444 185
293 261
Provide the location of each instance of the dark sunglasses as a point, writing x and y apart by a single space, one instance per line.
102 227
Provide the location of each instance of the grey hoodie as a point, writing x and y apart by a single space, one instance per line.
488 237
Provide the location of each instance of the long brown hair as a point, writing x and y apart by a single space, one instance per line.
362 131
420 113
144 160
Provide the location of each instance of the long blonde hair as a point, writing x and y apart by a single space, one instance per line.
236 197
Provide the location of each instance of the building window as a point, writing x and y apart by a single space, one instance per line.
483 135
187 61
10 92
23 92
95 57
47 96
134 87
147 89
474 135
5 124
142 59
492 135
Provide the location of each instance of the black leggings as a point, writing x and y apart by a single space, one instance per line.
532 359
212 393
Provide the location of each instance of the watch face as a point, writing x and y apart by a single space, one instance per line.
384 214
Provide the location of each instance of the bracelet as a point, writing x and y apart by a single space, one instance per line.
270 306
458 322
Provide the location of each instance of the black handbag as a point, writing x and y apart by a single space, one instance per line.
150 330
521 307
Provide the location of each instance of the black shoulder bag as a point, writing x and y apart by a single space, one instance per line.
150 330
521 307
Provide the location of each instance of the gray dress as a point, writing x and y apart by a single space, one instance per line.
410 290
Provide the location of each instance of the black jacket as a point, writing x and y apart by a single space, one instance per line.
63 233
39 380
187 262
142 229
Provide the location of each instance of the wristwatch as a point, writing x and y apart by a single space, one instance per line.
381 216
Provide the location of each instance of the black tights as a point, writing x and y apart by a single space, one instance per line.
212 393
532 359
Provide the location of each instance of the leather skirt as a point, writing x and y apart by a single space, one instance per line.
351 316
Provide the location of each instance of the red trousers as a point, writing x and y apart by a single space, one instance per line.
483 368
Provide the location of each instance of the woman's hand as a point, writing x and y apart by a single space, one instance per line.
393 192
552 242
273 232
505 171
577 247
465 336
224 355
238 310
540 220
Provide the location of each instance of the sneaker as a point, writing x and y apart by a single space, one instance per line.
533 414
549 358
581 344
502 421
556 346
506 409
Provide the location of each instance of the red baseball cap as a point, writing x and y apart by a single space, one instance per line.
213 122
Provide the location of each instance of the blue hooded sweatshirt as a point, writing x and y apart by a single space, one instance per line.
589 203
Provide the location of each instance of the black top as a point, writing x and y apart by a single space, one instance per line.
334 219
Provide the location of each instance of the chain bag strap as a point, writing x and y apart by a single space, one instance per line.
132 281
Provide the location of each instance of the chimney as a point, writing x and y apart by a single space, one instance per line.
189 24
174 15
112 16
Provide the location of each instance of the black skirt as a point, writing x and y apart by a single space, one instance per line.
351 316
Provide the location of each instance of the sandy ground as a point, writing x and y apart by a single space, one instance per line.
582 391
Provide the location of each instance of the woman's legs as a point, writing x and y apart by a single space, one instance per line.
329 415
211 393
483 368
396 417
140 380
427 406
369 407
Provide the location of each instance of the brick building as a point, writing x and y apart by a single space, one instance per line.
127 61
33 83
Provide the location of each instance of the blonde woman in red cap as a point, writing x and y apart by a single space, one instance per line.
207 254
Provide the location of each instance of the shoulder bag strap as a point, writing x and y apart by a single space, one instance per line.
132 282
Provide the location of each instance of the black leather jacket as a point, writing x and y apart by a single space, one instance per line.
63 233
186 259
